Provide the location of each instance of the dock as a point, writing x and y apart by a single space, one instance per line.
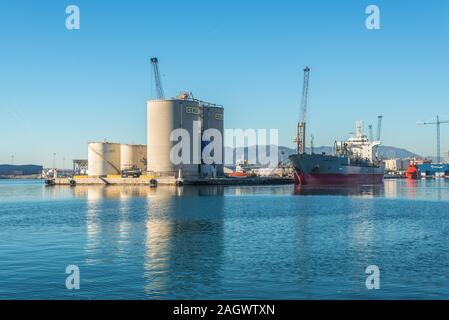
148 180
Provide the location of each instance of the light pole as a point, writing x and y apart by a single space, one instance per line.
54 165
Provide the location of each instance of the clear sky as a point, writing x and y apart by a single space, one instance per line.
60 89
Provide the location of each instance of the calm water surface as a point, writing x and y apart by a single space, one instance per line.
224 242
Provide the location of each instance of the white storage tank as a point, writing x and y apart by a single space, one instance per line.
163 117
103 158
133 156
212 118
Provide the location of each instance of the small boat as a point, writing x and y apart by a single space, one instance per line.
412 172
50 182
238 174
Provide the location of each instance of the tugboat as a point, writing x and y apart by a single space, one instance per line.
412 171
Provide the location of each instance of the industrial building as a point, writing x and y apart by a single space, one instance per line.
212 118
20 170
433 169
396 165
164 116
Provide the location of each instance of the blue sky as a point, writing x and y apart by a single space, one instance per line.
60 89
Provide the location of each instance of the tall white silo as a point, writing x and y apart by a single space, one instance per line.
103 158
163 117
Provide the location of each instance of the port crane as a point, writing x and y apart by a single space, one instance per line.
300 138
157 79
437 123
379 126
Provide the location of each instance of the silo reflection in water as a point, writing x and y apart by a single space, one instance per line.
111 220
94 197
184 242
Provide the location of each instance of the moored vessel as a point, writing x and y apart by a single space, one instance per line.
354 161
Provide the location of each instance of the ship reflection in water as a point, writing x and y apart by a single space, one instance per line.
436 189
361 190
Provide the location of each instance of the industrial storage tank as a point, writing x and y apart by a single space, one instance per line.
103 158
163 117
133 156
212 118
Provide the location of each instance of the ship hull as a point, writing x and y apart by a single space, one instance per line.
332 170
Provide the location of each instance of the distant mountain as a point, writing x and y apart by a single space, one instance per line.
386 152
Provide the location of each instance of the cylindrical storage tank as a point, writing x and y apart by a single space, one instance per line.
213 117
103 158
133 156
163 118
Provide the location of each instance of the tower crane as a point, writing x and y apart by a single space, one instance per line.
300 138
437 123
379 127
157 79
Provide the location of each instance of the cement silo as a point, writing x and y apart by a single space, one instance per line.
163 117
212 118
133 156
103 158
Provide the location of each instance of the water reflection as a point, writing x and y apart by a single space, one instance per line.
368 191
181 229
184 241
171 240
93 224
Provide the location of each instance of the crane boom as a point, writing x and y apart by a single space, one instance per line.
305 95
300 138
379 127
157 79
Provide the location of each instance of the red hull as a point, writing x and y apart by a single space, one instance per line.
337 178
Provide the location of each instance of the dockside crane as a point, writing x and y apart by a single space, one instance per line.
300 138
379 127
437 123
157 79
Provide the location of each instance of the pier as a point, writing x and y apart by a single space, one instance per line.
149 180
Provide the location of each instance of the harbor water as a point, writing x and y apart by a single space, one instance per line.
241 242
